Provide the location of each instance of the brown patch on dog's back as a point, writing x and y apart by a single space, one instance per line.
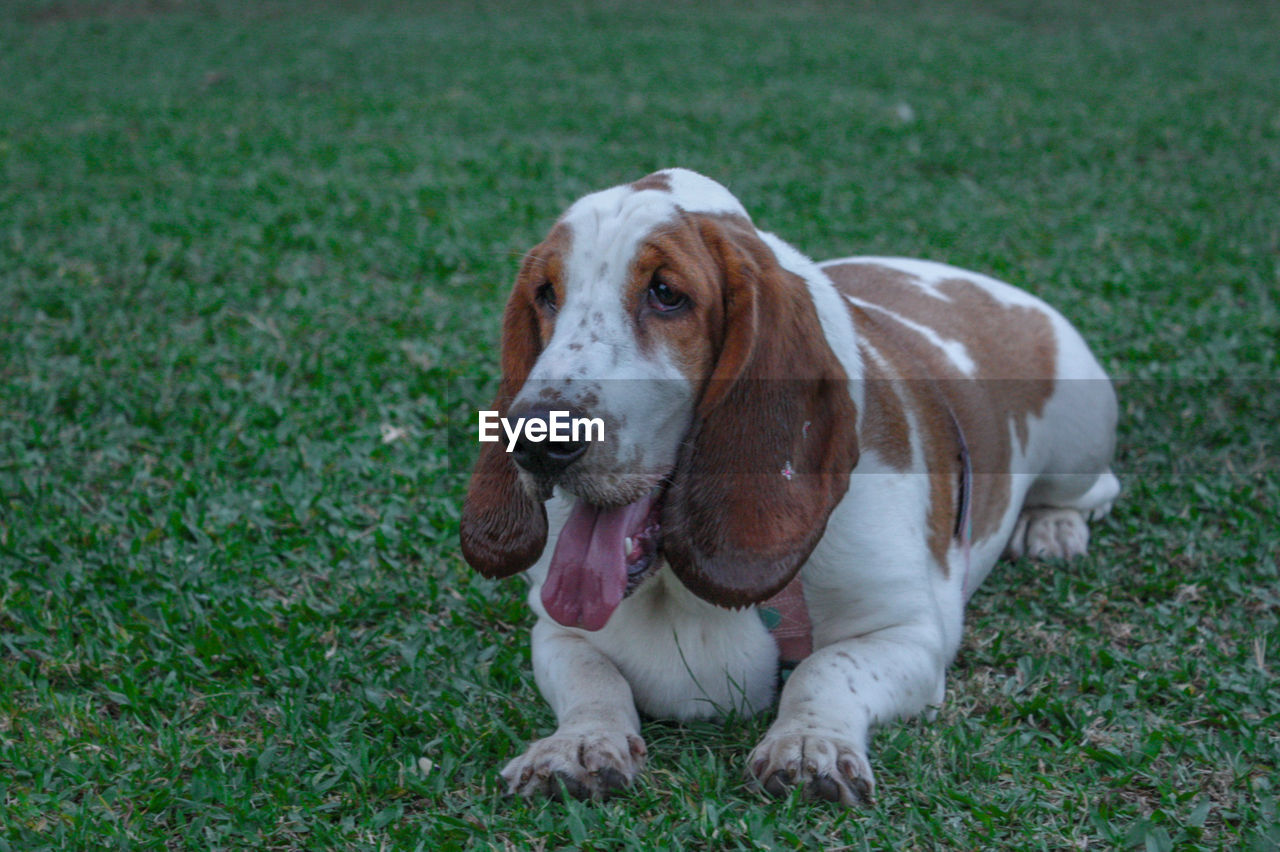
885 427
1013 348
907 384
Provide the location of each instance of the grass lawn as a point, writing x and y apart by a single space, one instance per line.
252 257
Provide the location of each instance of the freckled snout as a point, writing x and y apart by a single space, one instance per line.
547 445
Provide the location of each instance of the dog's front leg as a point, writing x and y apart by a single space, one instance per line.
596 749
832 700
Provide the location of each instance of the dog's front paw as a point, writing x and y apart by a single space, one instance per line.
823 765
586 765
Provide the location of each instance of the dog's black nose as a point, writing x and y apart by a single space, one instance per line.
548 441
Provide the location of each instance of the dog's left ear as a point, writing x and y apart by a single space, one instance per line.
503 529
773 440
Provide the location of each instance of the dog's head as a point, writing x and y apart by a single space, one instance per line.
656 316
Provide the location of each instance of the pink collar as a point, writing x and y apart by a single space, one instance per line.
787 617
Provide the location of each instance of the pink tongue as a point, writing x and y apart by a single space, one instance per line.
588 573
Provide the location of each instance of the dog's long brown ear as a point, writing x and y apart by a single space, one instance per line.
503 529
773 440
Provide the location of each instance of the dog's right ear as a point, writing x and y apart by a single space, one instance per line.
503 529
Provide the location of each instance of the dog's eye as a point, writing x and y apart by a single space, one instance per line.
546 296
664 299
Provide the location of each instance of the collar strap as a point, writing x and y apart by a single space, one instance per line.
964 521
787 617
964 503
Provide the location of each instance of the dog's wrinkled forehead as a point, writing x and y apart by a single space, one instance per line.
619 218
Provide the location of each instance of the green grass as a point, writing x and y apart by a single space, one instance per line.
238 243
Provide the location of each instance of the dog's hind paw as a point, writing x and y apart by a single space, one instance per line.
1049 533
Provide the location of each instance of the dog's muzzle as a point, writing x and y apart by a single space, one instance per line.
546 458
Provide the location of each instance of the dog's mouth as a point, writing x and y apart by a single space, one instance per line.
642 548
602 556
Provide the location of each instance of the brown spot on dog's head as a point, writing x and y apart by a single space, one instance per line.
657 181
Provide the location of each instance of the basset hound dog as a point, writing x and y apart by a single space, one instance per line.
845 447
